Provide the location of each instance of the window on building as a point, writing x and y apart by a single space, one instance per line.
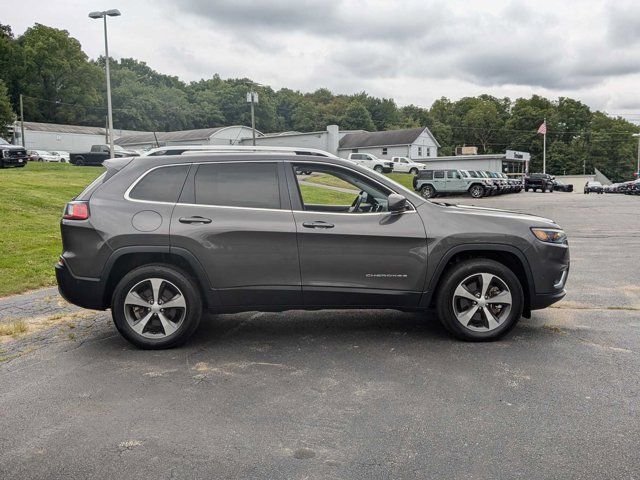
428 151
235 184
384 151
354 150
419 151
161 185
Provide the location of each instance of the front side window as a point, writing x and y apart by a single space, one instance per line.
161 185
335 189
238 184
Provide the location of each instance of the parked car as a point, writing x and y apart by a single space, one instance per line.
43 156
538 181
64 156
502 184
406 165
100 153
12 155
430 183
490 187
138 240
593 186
559 186
371 161
634 188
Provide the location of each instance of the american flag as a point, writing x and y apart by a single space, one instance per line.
543 128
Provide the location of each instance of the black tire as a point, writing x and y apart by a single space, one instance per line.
79 161
476 191
457 274
378 169
428 191
413 171
175 276
1 163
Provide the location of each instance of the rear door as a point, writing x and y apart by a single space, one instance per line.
352 250
439 181
235 217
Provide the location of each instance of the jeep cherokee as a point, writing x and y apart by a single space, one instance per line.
159 239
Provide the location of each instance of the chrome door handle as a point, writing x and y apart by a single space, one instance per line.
195 219
318 224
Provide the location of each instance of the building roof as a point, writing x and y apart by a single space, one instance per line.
383 139
178 136
487 156
74 129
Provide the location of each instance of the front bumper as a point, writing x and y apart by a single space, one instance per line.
543 300
14 162
83 292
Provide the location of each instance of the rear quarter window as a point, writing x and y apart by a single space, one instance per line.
163 184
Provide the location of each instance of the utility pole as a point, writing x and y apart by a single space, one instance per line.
22 121
544 148
252 97
638 167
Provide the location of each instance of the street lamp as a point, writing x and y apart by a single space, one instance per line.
252 98
638 168
107 13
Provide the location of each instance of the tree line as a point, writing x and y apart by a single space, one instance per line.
60 84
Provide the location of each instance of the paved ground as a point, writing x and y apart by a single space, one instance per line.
339 394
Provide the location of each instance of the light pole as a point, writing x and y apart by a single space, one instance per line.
638 167
107 13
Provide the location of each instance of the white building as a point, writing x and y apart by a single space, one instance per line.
58 137
511 162
232 135
415 143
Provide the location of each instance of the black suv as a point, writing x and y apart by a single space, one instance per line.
12 155
160 238
538 181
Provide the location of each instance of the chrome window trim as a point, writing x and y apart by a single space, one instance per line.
127 192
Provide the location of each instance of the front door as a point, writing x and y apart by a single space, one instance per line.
235 217
352 250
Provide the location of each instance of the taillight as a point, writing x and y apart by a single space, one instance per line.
76 211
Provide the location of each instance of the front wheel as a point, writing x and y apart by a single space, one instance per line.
156 306
479 300
476 191
378 168
427 191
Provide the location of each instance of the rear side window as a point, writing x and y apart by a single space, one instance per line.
161 185
438 174
427 174
236 184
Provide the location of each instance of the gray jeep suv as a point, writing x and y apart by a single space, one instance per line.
159 239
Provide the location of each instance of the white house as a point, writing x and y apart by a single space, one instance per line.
415 143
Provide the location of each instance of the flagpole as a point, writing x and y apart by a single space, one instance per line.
544 148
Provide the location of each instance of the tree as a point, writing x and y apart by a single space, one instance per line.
7 117
62 84
357 117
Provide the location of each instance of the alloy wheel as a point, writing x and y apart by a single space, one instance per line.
482 302
155 308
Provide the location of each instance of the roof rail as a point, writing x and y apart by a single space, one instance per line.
225 149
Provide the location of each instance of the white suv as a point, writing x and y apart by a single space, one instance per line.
371 161
406 165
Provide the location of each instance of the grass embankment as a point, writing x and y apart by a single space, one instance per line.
31 203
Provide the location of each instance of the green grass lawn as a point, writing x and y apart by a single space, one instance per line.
404 179
31 203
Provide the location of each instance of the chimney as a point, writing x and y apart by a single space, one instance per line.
333 139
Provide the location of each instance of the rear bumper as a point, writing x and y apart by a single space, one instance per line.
83 292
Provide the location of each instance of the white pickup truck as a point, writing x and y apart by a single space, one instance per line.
371 161
406 165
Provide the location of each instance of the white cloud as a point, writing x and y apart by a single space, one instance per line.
414 51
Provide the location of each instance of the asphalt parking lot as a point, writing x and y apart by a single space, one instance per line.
346 394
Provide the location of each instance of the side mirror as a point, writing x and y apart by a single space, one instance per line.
397 203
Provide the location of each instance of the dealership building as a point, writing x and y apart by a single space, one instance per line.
511 162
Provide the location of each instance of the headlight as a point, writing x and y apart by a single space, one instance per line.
550 235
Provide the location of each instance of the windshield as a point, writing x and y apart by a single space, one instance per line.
118 148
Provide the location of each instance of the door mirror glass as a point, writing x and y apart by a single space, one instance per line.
396 203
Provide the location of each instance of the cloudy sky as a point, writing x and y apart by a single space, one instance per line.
413 51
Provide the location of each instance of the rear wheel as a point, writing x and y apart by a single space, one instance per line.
427 191
80 161
476 191
413 171
156 306
479 300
